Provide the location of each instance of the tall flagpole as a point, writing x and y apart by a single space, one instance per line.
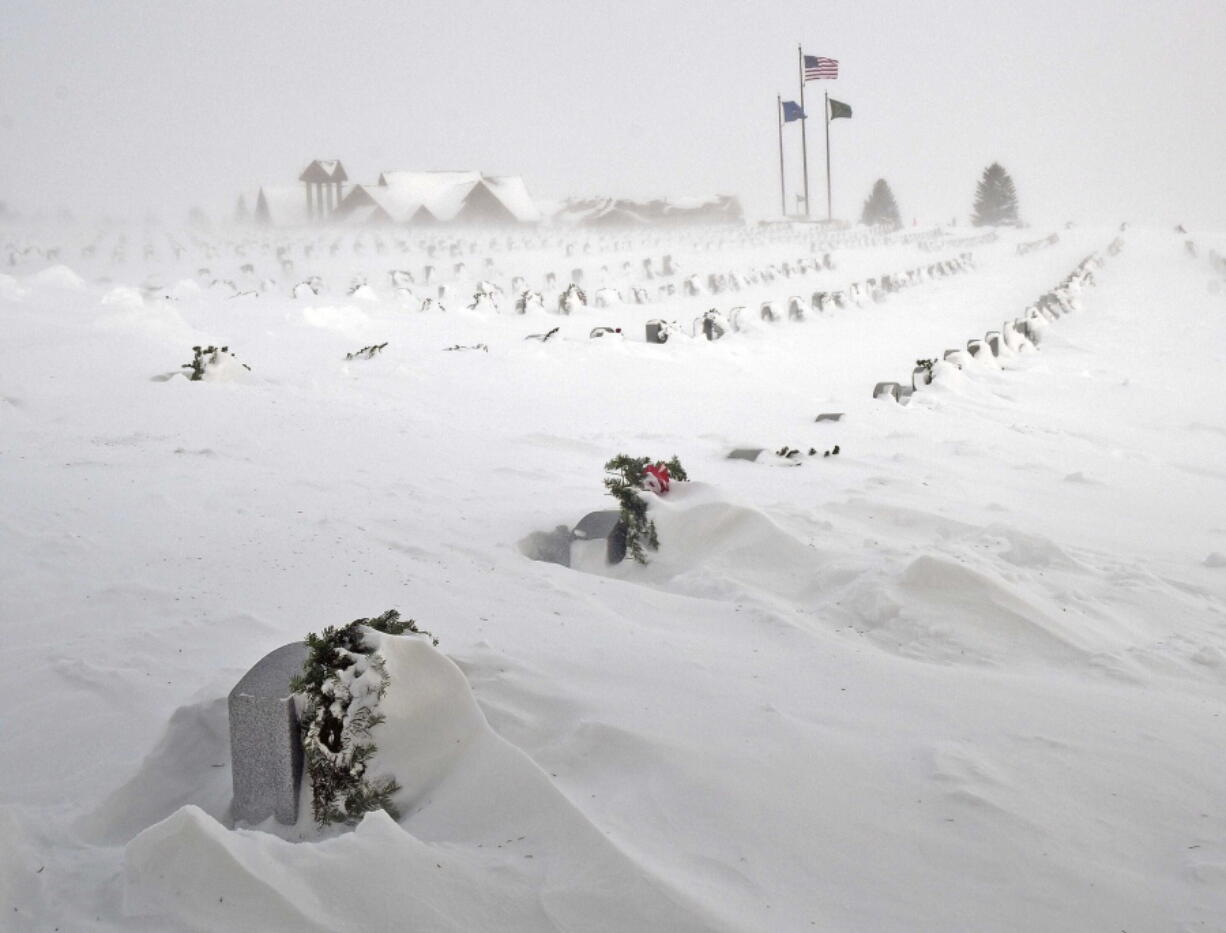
783 196
829 213
804 146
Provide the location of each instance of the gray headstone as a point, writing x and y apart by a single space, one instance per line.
607 525
746 453
830 416
265 742
882 389
657 332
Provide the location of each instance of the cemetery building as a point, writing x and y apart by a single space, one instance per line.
324 180
433 198
623 212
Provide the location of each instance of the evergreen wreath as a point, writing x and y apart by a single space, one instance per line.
203 358
366 353
624 484
343 681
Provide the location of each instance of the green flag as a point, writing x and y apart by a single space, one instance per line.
839 109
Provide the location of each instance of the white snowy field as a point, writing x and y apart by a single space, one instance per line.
969 674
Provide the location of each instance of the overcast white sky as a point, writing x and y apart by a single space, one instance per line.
1102 110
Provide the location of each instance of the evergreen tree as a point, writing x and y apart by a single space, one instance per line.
880 208
995 199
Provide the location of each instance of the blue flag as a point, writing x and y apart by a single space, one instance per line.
792 111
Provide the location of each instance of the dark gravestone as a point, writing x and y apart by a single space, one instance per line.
607 526
884 389
657 332
992 339
830 416
265 742
746 453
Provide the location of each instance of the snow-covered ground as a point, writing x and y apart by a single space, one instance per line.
969 674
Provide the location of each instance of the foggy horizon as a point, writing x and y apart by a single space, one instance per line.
1101 112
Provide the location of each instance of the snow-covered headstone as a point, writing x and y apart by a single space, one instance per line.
265 742
607 530
657 331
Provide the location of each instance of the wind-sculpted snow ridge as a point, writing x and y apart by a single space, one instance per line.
486 842
970 673
991 596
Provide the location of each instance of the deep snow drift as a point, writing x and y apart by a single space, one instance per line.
968 674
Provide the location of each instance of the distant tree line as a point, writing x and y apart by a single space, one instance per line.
995 202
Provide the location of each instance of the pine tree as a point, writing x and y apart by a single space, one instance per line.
880 208
995 198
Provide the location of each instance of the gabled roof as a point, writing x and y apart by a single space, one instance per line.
392 204
512 192
450 196
324 170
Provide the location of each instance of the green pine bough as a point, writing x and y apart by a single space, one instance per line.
625 482
343 681
203 358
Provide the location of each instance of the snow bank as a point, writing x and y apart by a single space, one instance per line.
487 841
58 277
344 319
10 290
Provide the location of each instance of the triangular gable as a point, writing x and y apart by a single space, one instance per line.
324 171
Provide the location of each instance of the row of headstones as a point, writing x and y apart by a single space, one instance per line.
719 282
455 248
1016 335
402 281
1024 248
1216 260
450 245
940 240
714 324
877 289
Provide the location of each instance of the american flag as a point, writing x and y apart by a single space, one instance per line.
818 67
